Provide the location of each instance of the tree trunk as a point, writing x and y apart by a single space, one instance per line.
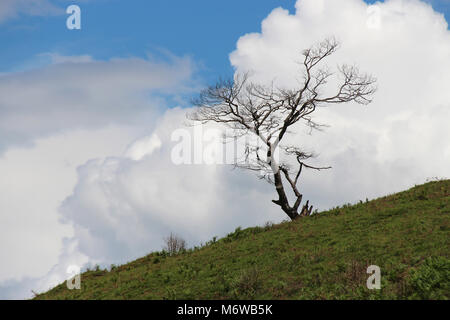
283 201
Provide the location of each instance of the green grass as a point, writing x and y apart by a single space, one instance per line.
320 257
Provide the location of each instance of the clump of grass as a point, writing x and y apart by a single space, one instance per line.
247 283
431 280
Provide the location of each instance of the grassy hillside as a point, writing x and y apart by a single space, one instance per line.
320 257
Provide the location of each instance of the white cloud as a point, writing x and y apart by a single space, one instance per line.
12 8
79 92
24 288
124 205
52 120
122 208
143 147
34 181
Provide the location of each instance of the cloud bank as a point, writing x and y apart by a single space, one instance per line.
52 120
80 92
122 207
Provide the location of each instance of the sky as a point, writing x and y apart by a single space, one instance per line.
204 30
88 117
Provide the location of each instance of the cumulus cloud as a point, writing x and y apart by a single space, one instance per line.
122 207
143 147
53 119
34 181
27 286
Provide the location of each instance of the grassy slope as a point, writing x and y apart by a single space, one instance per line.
320 257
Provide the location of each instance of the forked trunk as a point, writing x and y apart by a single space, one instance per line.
283 201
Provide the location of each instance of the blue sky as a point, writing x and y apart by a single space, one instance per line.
205 30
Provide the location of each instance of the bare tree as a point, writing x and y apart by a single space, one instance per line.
174 244
269 113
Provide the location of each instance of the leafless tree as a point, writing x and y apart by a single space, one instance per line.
268 113
174 244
